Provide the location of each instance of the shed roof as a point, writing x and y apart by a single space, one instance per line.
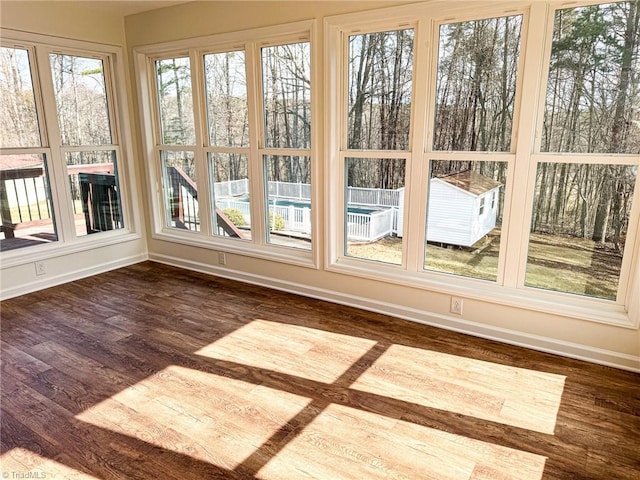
471 182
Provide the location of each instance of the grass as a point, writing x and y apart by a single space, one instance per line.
565 264
573 265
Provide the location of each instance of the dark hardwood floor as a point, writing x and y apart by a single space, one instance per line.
152 372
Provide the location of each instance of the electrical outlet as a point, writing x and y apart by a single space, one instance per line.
222 258
456 305
40 268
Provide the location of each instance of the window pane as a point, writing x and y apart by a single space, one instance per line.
579 226
374 208
476 84
81 100
464 217
25 202
230 180
18 118
286 80
226 87
175 101
180 190
289 200
95 191
380 80
593 90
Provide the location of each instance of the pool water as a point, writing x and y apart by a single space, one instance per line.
297 204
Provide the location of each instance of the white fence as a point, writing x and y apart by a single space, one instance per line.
369 227
232 188
297 191
374 197
296 219
361 227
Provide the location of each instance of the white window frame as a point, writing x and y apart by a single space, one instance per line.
250 41
39 47
522 160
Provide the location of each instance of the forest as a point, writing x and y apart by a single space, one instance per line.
80 94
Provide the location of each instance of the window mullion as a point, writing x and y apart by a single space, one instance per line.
56 163
521 171
256 140
205 207
417 168
110 91
627 295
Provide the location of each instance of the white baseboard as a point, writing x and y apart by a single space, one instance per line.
512 337
51 281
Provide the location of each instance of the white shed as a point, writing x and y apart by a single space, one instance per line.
462 208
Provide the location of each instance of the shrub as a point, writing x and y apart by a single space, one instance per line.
235 215
276 222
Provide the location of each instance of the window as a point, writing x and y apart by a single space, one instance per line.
286 87
579 227
581 211
231 199
60 148
463 235
522 151
176 122
241 130
379 78
474 102
19 116
180 190
25 194
84 123
373 213
228 135
476 84
175 101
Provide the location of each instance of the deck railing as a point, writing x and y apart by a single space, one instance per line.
24 192
183 200
25 198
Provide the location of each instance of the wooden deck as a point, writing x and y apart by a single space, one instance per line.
152 372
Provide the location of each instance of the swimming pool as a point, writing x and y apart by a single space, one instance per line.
297 204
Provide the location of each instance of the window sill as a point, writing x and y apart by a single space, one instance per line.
274 253
37 253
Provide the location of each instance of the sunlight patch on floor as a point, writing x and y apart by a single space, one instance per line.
485 390
215 419
301 351
23 463
345 441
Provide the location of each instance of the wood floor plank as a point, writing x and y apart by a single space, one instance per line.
150 372
486 390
